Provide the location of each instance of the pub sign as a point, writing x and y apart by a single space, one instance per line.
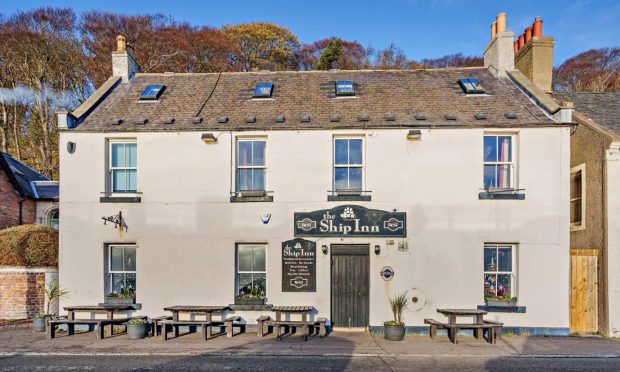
298 266
351 220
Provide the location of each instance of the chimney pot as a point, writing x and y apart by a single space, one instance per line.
493 29
516 45
528 34
521 41
537 27
121 43
123 63
501 22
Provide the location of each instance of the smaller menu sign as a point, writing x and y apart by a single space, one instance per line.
298 266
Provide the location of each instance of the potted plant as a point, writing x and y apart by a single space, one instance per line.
127 296
52 293
394 330
254 297
137 328
504 300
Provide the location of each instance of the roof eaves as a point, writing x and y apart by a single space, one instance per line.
583 119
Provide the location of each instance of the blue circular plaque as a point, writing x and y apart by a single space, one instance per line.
387 273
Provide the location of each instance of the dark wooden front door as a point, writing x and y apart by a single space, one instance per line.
350 285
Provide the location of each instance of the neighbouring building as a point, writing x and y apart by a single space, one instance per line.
26 196
336 189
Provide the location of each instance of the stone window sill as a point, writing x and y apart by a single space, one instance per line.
348 198
502 309
500 196
265 307
251 199
135 306
120 199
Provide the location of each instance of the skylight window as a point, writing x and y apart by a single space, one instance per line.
263 90
152 92
345 88
471 86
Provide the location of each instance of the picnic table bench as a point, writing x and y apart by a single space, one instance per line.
205 324
488 329
99 324
279 322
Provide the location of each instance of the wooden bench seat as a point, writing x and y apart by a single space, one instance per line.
266 320
204 324
156 324
490 330
278 324
98 323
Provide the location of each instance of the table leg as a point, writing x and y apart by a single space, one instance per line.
70 315
452 319
175 316
278 316
477 333
479 319
304 316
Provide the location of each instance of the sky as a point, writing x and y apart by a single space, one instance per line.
421 28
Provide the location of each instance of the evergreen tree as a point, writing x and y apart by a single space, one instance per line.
331 55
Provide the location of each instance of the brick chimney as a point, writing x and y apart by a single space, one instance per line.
123 64
499 54
534 58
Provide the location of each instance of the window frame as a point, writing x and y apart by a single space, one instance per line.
237 271
344 93
579 169
361 165
264 167
513 274
109 270
265 84
111 168
513 163
50 213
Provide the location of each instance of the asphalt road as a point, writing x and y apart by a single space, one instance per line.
296 363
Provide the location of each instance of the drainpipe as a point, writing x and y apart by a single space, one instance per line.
21 205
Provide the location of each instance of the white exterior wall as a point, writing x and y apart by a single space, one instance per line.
186 227
613 237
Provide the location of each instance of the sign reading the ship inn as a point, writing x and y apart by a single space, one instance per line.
298 266
351 220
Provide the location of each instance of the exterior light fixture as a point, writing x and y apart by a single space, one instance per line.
209 138
414 135
70 147
377 249
324 249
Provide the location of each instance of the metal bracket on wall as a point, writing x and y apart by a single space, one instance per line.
117 220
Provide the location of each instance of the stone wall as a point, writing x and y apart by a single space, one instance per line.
21 295
9 205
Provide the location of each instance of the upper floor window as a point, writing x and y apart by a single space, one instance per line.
123 166
345 88
577 197
152 92
348 163
251 165
263 90
499 162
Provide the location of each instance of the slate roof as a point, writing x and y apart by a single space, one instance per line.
22 177
603 108
47 190
224 101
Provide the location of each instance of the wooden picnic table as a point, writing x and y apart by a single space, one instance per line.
190 309
304 310
100 324
204 324
96 309
479 325
452 314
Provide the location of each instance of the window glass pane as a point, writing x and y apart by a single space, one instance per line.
503 285
245 283
504 176
118 154
244 257
131 155
245 153
116 263
119 180
355 178
260 283
118 283
489 176
504 259
341 151
341 176
129 259
244 181
504 144
258 179
575 186
258 153
355 151
490 148
130 282
575 211
490 281
131 180
259 258
490 256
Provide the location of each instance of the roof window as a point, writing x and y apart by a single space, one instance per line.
345 88
152 92
471 86
263 90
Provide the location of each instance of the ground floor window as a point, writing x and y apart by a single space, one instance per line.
251 269
499 270
52 219
122 269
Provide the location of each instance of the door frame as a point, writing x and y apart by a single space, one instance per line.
350 249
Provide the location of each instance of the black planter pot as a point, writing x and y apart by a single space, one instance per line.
242 301
137 331
38 324
111 300
394 332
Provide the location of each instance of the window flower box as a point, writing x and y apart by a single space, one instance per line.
508 302
115 300
249 301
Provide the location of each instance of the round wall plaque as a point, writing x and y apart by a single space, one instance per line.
387 273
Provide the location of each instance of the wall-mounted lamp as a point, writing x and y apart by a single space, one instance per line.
209 138
70 147
324 249
414 135
377 249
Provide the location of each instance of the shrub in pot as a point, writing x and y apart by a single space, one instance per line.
394 330
137 328
52 293
39 322
126 297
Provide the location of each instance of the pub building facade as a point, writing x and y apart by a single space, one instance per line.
334 189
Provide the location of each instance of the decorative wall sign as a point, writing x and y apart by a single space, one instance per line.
387 273
298 266
351 220
265 217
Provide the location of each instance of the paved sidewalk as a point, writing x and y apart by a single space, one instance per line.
25 342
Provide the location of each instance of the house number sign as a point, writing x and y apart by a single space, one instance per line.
351 220
298 266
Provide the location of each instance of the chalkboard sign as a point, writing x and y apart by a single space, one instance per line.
298 266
